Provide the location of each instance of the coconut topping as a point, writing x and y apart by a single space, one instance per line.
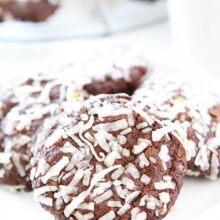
35 100
56 169
105 160
195 111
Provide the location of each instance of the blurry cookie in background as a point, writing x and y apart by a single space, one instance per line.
27 10
38 10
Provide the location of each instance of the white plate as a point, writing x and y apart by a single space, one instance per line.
197 196
87 18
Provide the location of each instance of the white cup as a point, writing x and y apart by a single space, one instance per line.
195 27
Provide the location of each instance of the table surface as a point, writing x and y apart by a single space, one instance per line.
154 42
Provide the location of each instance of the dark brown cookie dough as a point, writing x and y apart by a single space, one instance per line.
107 159
197 112
119 70
28 10
110 85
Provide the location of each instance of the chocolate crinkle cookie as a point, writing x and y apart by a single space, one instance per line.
197 112
107 158
27 10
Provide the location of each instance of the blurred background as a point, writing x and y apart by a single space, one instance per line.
59 30
181 34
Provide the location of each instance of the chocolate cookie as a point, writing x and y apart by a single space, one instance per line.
28 10
107 159
117 71
197 112
47 93
28 105
113 85
20 127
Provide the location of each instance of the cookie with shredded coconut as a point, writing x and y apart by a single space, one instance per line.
197 112
120 70
44 91
27 10
112 85
26 107
107 159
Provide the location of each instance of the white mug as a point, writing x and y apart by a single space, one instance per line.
195 27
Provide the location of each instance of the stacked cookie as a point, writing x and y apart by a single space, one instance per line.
106 143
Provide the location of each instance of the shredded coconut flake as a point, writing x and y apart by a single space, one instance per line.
161 132
102 188
116 174
110 158
164 153
131 169
142 125
45 200
164 185
128 183
109 216
113 204
113 126
54 137
17 161
125 152
126 131
141 216
23 139
42 167
88 206
122 139
164 197
143 161
108 194
123 209
77 177
87 216
131 197
44 189
102 142
140 147
145 179
55 169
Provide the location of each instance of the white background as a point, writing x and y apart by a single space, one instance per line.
154 42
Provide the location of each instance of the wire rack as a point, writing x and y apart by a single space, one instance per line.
87 18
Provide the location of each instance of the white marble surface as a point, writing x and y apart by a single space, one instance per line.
197 195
